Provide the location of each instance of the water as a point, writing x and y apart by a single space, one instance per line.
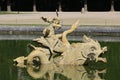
11 49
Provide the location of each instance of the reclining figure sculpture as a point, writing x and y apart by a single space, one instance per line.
56 49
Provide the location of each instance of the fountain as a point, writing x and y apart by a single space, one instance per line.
56 49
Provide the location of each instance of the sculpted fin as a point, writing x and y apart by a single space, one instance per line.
32 47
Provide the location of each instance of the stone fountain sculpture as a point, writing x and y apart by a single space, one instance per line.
56 49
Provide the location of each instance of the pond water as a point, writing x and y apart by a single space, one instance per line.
11 49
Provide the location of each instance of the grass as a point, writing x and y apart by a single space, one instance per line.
6 12
12 12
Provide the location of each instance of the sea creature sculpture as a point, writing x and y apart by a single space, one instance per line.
56 49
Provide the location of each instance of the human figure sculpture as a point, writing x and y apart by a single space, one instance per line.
50 39
54 23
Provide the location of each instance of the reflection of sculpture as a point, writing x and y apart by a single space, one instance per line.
56 49
51 72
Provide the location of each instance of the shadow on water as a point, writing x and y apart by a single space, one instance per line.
11 49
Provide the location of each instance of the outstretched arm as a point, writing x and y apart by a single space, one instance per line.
45 19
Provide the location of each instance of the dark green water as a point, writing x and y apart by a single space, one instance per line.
10 49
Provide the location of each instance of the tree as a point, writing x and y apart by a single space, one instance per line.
34 5
8 5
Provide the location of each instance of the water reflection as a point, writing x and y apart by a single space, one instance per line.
11 49
52 72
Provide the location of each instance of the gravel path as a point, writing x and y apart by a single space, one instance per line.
68 18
